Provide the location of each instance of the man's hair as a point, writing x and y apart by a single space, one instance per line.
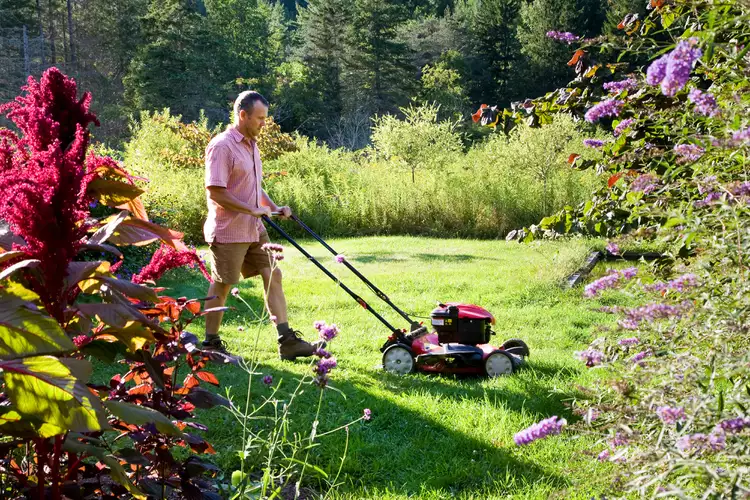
245 102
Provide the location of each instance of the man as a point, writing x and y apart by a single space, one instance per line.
233 228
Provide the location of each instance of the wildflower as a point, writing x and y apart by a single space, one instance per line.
366 414
689 152
273 318
651 312
611 280
321 353
617 87
672 70
235 292
628 341
734 425
166 258
340 258
593 143
613 248
272 247
268 380
620 439
705 103
325 331
657 70
701 443
670 415
592 357
623 126
740 188
740 136
322 368
610 107
546 427
603 456
563 36
646 183
710 199
638 358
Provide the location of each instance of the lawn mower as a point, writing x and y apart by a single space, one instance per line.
458 341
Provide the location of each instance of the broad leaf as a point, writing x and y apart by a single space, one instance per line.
113 193
136 208
26 332
142 415
13 423
116 315
103 233
19 265
44 387
101 248
6 256
116 470
127 288
133 231
133 334
79 271
7 237
207 399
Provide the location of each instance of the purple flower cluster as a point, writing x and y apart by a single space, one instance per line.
638 358
592 357
689 152
274 250
741 136
610 107
670 415
613 248
322 367
617 87
547 427
701 443
646 184
679 284
620 439
611 280
672 70
340 258
623 126
603 456
628 341
563 36
705 103
366 414
593 143
710 199
734 425
651 312
740 188
268 380
325 331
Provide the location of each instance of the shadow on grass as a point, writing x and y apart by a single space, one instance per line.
401 449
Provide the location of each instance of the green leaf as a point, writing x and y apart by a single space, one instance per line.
674 221
46 388
103 350
127 288
12 423
116 315
113 193
103 233
237 477
27 332
134 335
141 415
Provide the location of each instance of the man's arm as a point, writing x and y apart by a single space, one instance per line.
228 201
266 201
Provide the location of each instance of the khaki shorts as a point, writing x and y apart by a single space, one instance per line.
232 259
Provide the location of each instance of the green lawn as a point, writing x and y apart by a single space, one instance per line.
430 436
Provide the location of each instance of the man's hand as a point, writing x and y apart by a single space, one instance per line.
261 211
286 212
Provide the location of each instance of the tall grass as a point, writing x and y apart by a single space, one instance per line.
497 185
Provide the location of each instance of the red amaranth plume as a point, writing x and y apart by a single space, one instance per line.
44 180
166 258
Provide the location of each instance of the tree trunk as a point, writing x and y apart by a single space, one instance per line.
52 41
41 26
70 32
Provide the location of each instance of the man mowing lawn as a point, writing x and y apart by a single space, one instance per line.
233 228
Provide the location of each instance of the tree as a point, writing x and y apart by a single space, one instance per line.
443 85
380 72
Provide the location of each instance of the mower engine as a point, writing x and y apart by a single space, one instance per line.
462 324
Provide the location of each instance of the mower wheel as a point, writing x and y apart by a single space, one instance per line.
398 359
517 347
498 363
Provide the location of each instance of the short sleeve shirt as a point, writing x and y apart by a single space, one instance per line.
233 162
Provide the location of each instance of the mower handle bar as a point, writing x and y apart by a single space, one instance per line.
328 273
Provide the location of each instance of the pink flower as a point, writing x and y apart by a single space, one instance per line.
670 415
340 258
603 456
613 248
367 414
235 292
82 340
592 357
166 258
273 319
628 341
240 328
272 247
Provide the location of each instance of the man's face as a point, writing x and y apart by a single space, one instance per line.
251 122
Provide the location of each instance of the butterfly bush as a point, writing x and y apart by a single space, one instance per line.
547 427
563 36
619 86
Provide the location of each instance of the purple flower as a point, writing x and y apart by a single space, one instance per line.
610 107
628 341
651 312
563 36
680 64
670 415
617 87
235 292
325 331
646 184
710 199
546 427
740 188
272 247
366 414
741 136
657 70
620 439
268 380
638 358
592 357
613 248
622 126
705 103
593 143
603 456
322 368
734 425
340 258
689 152
701 443
322 353
611 280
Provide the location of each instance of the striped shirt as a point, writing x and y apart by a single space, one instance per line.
233 162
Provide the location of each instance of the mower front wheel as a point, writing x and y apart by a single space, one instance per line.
517 347
498 363
398 359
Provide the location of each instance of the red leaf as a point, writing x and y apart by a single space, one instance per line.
140 389
194 307
208 377
577 55
191 381
572 158
612 180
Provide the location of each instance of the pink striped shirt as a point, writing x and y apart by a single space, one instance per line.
233 162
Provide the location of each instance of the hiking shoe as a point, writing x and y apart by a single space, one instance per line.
292 346
215 344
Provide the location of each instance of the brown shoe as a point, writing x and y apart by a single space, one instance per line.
292 346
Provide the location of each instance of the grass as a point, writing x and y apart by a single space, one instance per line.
430 436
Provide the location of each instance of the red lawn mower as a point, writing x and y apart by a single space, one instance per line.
458 342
